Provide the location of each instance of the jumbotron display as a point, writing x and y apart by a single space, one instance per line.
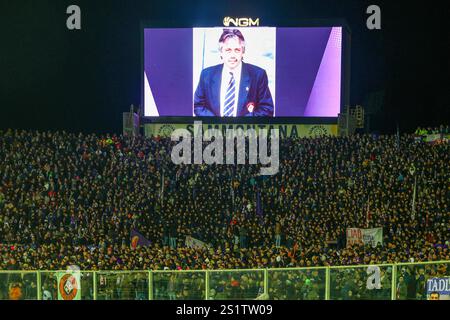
242 72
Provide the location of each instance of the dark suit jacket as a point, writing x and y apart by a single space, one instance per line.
207 95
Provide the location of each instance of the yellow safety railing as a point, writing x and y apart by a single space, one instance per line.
381 281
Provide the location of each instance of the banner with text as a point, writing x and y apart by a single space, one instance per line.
285 130
438 289
372 237
354 236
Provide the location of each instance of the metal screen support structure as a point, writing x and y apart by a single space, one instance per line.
39 285
394 283
150 285
95 284
207 285
327 283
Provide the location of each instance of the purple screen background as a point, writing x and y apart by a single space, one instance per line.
308 71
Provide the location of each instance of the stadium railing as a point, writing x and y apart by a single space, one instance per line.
358 282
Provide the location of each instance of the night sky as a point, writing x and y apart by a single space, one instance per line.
53 78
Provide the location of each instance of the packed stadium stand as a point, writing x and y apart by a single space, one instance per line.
75 199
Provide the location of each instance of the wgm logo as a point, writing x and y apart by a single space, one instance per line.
240 22
318 131
166 130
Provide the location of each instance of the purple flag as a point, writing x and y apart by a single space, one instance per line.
138 239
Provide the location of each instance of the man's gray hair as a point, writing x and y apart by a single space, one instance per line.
231 34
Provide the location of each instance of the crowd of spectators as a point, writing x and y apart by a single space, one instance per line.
73 199
429 130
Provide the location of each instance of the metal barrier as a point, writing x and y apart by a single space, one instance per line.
403 281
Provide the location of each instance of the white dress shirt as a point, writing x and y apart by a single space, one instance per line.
226 77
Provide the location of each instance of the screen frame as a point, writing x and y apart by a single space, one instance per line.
311 23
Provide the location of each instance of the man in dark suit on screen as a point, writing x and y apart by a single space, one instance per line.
234 88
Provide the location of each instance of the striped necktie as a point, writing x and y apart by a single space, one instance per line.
228 109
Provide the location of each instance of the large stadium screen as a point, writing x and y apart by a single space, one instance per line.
242 72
